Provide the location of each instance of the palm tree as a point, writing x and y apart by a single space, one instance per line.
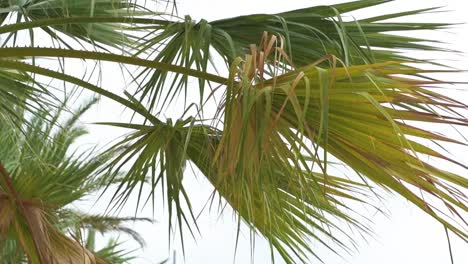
47 179
296 94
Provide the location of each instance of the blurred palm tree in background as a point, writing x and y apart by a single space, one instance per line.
296 95
45 180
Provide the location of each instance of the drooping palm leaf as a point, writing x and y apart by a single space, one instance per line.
266 163
343 111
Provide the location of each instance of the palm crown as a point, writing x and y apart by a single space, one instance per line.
46 179
304 90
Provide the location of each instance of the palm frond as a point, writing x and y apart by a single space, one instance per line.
274 131
19 92
39 179
158 154
102 223
100 23
324 88
308 34
113 254
266 161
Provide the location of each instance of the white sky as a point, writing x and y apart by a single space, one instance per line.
406 236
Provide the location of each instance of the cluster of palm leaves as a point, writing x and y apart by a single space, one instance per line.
42 179
296 94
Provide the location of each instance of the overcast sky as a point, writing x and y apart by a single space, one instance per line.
406 235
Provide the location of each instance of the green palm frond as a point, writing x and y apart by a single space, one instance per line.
112 252
321 88
19 92
98 22
42 149
159 154
357 114
266 161
308 35
43 179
